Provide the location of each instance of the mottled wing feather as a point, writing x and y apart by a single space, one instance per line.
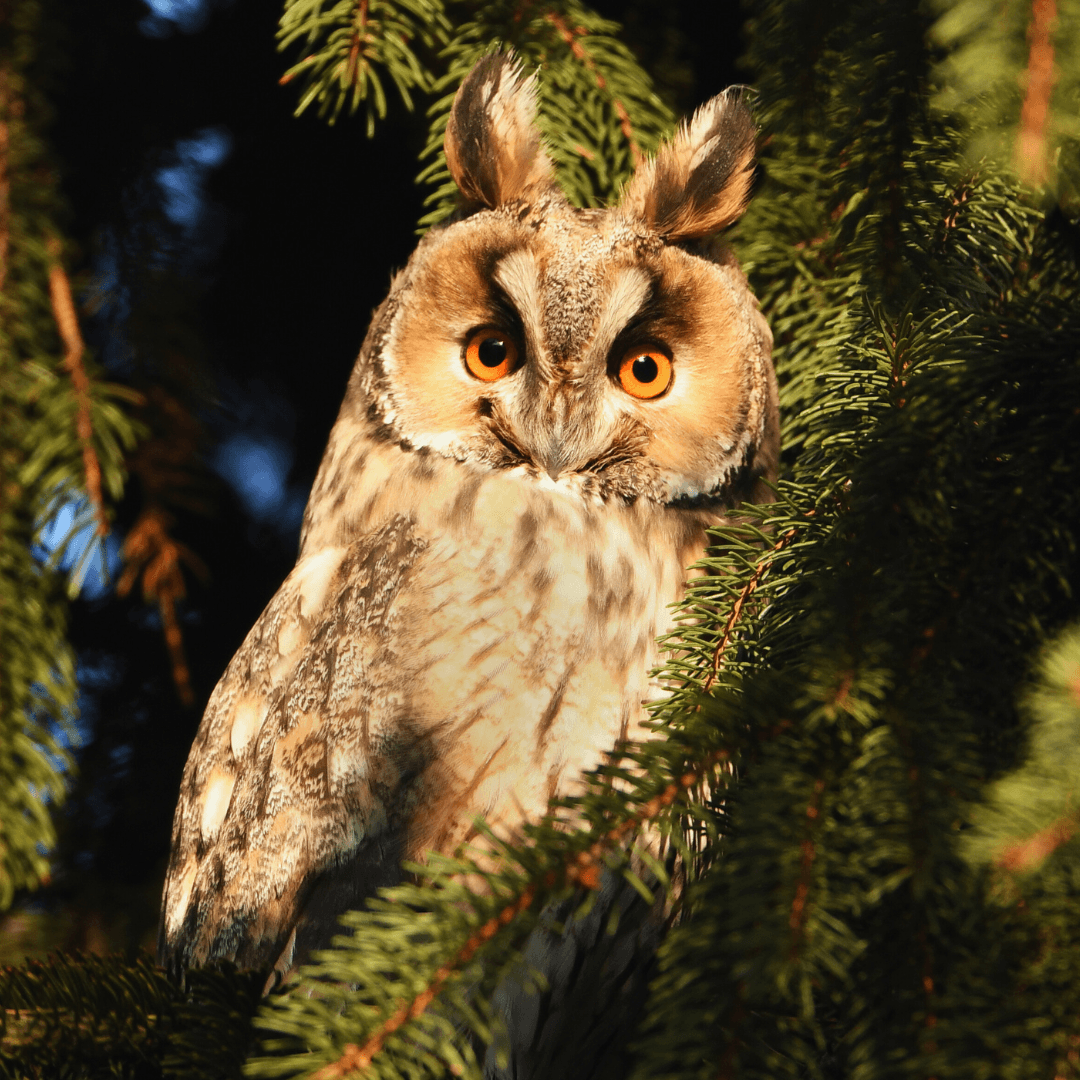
282 791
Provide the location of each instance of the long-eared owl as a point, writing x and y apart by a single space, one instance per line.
549 409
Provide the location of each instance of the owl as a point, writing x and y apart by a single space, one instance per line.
549 409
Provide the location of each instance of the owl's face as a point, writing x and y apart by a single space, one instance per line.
611 351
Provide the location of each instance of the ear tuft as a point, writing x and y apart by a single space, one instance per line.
699 181
492 142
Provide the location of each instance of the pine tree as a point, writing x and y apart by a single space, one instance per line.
68 440
867 763
63 436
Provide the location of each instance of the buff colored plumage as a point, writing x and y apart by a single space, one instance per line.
485 563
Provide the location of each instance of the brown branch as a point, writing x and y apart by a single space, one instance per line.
584 870
929 1045
359 37
1031 137
799 907
570 36
290 75
7 489
899 367
740 603
522 9
738 1015
360 1057
174 641
952 217
67 322
1032 852
5 184
151 549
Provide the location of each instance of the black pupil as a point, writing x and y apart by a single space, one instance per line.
492 351
645 369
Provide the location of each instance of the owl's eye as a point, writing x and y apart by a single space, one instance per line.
645 373
490 354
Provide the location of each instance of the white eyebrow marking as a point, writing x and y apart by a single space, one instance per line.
519 275
630 291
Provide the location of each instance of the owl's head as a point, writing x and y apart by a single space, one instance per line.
618 350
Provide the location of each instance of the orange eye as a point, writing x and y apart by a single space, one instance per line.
645 373
490 354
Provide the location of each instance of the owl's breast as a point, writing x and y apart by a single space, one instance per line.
528 629
456 644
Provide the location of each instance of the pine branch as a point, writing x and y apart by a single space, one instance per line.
36 667
523 881
54 445
67 323
740 602
81 1015
358 1058
5 184
351 42
149 550
1010 84
570 36
853 697
1031 138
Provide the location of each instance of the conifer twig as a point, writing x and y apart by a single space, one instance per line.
738 1015
360 1057
584 870
1031 137
1027 854
149 545
930 1019
67 322
5 214
359 36
570 36
5 184
737 608
797 918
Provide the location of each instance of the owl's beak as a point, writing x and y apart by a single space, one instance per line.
560 441
552 462
562 456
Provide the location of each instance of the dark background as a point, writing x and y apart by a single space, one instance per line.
236 295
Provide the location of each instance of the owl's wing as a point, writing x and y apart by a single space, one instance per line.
287 812
580 1020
